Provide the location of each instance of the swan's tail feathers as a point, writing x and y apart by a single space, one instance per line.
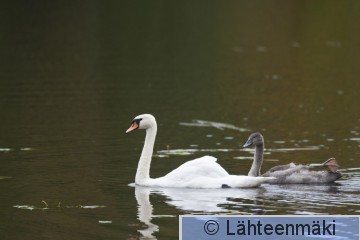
331 164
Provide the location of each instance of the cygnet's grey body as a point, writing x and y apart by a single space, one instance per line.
290 173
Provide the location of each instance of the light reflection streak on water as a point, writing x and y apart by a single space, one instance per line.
13 149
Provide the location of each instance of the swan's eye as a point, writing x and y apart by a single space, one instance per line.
137 121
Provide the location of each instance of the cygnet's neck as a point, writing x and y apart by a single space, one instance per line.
143 169
258 159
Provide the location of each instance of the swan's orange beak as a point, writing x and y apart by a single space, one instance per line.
133 127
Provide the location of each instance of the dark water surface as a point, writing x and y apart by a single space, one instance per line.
73 75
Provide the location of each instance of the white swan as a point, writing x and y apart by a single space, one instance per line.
203 172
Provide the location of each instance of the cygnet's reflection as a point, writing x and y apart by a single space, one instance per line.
192 200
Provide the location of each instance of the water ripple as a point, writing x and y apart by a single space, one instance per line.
217 125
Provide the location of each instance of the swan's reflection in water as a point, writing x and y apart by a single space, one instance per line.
195 201
145 212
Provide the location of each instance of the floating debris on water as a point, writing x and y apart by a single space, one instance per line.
244 158
105 222
229 138
91 207
177 152
26 149
271 160
164 216
5 149
161 155
306 213
46 206
13 149
217 125
26 207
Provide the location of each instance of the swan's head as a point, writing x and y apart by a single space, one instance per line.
143 121
254 139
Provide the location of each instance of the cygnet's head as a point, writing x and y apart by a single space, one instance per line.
254 139
143 121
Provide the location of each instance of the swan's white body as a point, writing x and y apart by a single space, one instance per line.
203 172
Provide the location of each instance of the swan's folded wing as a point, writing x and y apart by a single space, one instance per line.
201 167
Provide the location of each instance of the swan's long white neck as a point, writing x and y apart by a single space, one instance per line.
143 169
258 159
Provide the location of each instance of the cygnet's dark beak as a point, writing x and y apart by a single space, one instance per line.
248 143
